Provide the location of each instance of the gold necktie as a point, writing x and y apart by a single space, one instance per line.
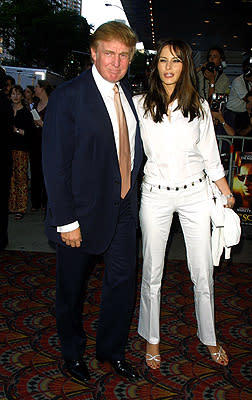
124 147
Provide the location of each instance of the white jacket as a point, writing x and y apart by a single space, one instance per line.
226 236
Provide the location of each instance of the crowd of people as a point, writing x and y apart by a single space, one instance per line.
94 135
228 106
22 139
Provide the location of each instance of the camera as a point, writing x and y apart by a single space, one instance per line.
248 69
218 101
211 67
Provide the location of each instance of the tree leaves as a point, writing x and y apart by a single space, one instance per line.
39 34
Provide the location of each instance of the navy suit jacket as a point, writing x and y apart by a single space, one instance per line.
80 163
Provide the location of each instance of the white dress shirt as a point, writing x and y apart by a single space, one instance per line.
106 90
178 150
237 93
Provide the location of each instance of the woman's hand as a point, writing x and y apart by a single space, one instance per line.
225 190
19 131
38 123
230 202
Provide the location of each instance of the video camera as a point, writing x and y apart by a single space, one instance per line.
218 101
211 67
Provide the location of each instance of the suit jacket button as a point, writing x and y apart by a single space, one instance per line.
118 182
116 203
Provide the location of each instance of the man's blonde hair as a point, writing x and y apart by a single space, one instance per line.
114 30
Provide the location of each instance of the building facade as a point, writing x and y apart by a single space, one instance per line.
72 5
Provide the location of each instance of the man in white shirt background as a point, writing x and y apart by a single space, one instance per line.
240 87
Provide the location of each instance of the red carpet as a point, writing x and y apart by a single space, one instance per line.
30 362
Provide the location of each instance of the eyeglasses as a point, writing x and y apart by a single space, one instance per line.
243 177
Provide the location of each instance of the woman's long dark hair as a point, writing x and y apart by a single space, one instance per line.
189 102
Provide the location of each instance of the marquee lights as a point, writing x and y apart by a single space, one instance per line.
152 23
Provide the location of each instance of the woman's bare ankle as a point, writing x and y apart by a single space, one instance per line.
152 355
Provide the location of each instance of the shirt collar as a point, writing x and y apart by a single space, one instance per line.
174 105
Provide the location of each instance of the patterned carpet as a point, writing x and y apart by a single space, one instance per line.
30 362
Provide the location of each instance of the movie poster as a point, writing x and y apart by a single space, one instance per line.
242 187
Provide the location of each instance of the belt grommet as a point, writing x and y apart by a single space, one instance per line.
192 183
185 186
168 188
200 179
177 188
159 186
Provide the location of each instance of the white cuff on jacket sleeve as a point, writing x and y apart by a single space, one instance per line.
69 227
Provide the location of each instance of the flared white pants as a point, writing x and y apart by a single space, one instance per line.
156 213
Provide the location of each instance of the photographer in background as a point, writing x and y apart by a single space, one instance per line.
211 78
223 123
243 122
240 87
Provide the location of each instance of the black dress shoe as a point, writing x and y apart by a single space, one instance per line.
78 369
122 368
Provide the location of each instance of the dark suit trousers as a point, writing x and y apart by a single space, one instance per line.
118 292
38 191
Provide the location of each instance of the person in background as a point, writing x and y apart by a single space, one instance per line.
10 82
180 145
29 96
42 91
222 125
211 78
92 154
20 140
240 87
6 128
243 123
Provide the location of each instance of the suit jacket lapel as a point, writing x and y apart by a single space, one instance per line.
101 113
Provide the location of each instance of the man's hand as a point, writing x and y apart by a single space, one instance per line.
210 76
73 238
218 115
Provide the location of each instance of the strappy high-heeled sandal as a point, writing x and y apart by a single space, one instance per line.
150 357
217 356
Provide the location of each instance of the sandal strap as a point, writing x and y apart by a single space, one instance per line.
150 357
218 353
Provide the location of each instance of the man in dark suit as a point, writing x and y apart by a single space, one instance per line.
6 129
92 204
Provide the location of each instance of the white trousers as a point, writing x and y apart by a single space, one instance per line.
156 213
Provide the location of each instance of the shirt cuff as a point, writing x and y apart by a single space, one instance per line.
69 227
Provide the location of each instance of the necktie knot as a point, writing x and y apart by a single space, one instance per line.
115 88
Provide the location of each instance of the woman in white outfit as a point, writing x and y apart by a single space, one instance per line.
179 142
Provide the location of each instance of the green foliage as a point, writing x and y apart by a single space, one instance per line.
40 34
